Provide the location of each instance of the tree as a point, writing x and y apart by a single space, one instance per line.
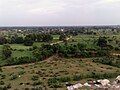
62 37
81 46
47 38
102 42
28 41
3 40
19 40
6 52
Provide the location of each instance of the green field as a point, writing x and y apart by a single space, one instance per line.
19 46
21 54
55 38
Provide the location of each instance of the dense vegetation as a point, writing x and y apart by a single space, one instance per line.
87 53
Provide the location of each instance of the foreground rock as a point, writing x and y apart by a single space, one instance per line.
104 84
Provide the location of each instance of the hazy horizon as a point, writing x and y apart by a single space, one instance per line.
59 13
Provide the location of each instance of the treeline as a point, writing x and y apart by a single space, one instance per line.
27 40
67 50
19 60
46 50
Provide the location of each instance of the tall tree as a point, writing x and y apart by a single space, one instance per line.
7 51
3 40
28 41
102 42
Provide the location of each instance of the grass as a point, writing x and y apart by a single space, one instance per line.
38 44
53 66
55 38
19 46
21 53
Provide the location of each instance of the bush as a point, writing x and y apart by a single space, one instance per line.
27 89
77 77
1 69
2 83
37 83
21 72
64 79
13 77
3 88
8 86
108 61
20 60
2 76
34 77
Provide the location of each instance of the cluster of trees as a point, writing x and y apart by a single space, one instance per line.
45 51
6 51
72 50
63 37
27 40
3 40
41 37
20 60
102 42
78 50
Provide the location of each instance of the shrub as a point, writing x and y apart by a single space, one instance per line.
3 88
13 77
1 69
34 77
37 83
77 77
64 79
8 86
27 89
21 72
2 83
2 76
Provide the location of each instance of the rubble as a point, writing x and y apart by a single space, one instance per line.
102 84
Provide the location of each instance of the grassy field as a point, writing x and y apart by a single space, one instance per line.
21 54
52 67
55 38
19 46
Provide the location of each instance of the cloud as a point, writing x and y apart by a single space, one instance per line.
46 6
59 12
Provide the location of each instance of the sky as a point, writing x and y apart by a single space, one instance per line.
59 12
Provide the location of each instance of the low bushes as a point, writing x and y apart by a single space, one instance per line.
20 60
34 77
2 83
37 83
108 61
21 72
2 76
13 77
56 82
